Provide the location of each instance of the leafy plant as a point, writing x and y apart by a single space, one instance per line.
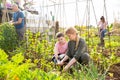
3 57
8 37
89 72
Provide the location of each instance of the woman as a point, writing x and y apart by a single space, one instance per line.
60 48
77 50
102 30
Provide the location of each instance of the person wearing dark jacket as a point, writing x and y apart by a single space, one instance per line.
77 50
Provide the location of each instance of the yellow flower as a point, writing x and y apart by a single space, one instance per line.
110 74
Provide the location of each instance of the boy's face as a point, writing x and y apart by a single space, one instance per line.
61 39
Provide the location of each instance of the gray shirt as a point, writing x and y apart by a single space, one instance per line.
82 48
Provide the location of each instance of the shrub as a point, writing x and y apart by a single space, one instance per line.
8 37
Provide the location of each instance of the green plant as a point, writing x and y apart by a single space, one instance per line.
8 37
17 69
3 57
39 50
89 72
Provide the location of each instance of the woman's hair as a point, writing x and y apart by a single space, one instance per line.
102 18
59 34
71 30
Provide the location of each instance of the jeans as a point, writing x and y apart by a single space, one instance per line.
20 32
102 33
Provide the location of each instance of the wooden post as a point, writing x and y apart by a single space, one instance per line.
5 16
56 27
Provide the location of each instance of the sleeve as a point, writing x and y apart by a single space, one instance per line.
68 53
98 23
66 47
106 23
81 49
56 49
21 15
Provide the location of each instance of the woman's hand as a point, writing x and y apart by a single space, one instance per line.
65 69
60 63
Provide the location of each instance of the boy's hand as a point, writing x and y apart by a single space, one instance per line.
56 56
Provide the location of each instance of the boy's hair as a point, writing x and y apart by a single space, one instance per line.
59 34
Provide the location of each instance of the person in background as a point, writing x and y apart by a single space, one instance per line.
18 21
60 48
77 50
102 24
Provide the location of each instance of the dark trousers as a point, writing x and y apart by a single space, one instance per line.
20 32
84 59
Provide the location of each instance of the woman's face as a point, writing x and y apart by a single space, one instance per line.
61 39
72 36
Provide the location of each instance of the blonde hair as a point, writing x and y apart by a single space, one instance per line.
73 30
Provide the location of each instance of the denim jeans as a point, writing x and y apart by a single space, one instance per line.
102 33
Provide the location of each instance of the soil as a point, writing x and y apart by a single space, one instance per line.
115 70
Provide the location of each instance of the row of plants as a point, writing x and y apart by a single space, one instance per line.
19 68
32 59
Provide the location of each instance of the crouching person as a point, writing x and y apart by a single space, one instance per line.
77 50
60 48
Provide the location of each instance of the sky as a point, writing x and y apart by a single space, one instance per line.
71 13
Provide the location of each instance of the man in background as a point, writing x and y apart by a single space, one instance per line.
18 22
